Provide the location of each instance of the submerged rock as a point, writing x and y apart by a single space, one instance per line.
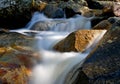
102 65
78 41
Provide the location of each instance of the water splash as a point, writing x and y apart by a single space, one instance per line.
40 21
54 67
37 16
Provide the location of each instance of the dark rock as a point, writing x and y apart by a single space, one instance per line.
52 11
102 65
105 24
72 7
113 19
15 11
94 5
16 14
69 12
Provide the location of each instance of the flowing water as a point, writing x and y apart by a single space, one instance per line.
54 66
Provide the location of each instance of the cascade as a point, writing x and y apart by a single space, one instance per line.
54 66
40 21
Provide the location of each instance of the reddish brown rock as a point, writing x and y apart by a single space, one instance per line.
17 57
78 41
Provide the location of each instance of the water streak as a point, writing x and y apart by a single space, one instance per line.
40 21
54 66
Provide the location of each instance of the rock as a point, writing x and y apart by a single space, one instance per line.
72 7
15 11
116 8
39 5
14 46
92 4
52 11
105 24
106 3
49 25
13 38
86 12
17 57
69 12
78 41
102 65
103 14
18 11
41 26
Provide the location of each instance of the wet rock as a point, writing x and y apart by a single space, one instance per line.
13 38
17 56
14 45
78 41
52 11
41 26
105 24
102 65
47 25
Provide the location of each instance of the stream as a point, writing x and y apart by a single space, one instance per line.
54 66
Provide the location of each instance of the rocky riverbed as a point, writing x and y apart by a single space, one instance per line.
19 53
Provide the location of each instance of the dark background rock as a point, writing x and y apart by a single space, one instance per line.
52 11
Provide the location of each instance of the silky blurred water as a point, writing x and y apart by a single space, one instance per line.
54 66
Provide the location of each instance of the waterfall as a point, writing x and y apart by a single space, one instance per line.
54 66
40 21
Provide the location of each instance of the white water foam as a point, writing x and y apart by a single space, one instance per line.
54 67
68 25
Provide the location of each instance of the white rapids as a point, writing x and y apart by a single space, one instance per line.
54 66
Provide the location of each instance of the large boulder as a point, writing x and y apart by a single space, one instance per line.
102 65
78 41
17 13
